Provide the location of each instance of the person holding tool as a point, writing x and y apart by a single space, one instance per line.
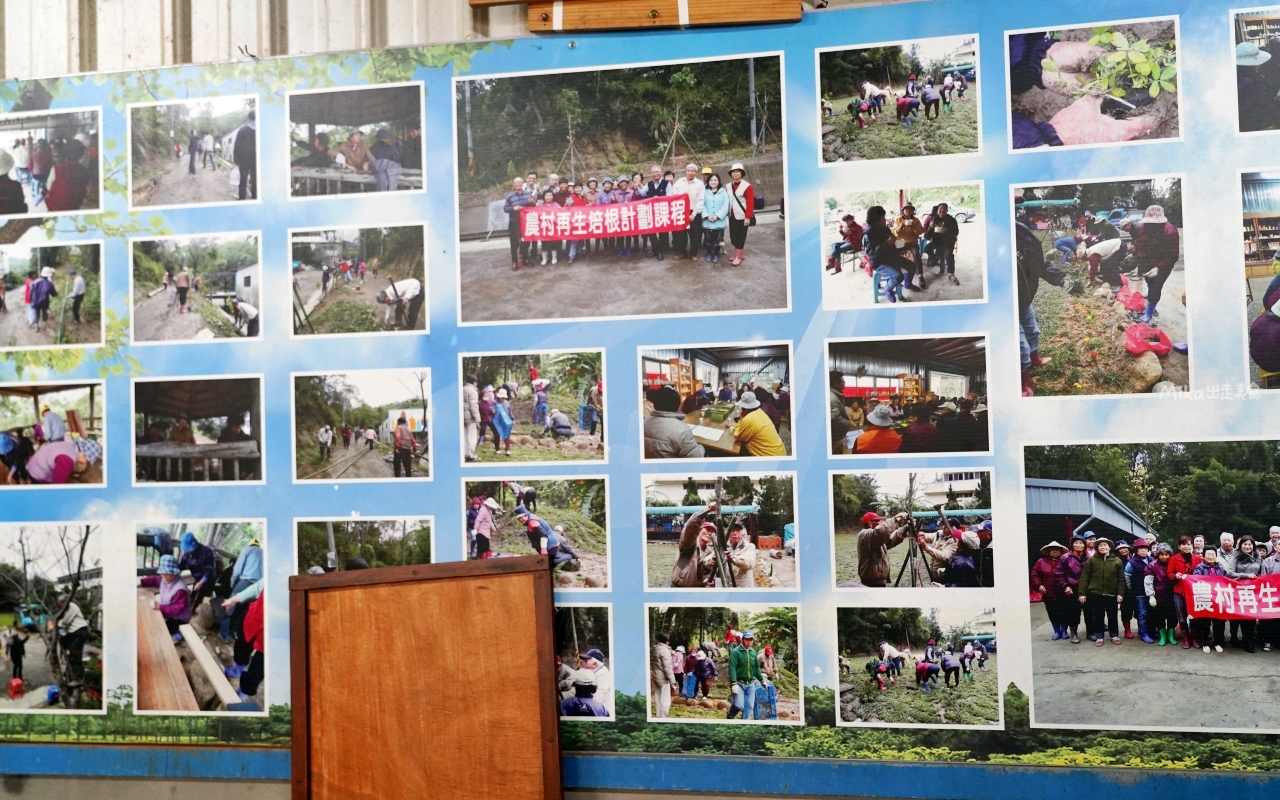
878 534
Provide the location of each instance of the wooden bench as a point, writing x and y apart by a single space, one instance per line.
162 682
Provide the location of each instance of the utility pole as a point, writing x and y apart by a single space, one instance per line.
751 89
471 157
332 556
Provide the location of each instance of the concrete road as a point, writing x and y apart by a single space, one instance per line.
1090 686
603 286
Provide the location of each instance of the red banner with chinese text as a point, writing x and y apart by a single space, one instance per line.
1215 597
637 218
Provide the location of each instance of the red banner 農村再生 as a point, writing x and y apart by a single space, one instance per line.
637 218
1216 597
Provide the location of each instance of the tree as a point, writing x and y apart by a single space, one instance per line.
852 496
691 497
953 501
777 504
982 494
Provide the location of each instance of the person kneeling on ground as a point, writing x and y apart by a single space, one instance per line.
559 425
546 541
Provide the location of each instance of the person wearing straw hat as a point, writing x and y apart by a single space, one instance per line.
12 199
755 430
1254 92
1042 574
742 210
1155 250
1101 591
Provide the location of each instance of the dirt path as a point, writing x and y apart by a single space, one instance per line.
14 331
369 466
594 573
156 319
175 186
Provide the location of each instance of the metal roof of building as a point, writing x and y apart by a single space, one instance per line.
1082 499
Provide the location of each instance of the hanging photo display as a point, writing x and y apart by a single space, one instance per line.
891 397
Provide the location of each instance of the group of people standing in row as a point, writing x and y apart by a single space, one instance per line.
893 252
1115 583
714 206
753 673
62 174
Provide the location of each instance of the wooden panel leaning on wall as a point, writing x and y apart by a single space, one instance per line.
374 715
588 15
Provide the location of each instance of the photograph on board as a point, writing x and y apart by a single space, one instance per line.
949 650
912 528
1094 85
1257 43
903 245
666 199
1094 261
584 655
565 519
53 434
197 430
51 296
362 425
533 407
196 288
1153 558
55 161
1260 197
193 152
909 395
716 401
737 663
720 531
359 280
201 620
347 543
53 626
348 141
900 100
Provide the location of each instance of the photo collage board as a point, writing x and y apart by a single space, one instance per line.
758 337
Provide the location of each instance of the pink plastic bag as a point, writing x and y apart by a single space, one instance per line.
1129 298
1139 338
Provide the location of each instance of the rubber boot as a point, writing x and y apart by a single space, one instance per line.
1144 634
737 257
1075 636
1057 632
1164 633
1146 314
1128 633
1037 361
1028 390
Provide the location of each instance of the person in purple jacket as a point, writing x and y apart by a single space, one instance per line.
624 194
1203 627
1067 582
604 197
174 600
1158 587
1264 331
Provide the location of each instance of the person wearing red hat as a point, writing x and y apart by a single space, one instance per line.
877 536
696 561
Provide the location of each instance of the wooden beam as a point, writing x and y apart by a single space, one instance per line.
247 449
162 683
595 15
212 669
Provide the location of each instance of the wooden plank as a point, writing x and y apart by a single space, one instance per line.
588 15
545 609
247 449
300 740
419 572
162 682
212 669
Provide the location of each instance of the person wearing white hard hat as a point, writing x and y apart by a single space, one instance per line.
12 200
742 210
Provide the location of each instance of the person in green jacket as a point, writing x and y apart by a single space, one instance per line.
744 677
1101 592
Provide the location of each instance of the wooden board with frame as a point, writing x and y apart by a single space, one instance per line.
375 713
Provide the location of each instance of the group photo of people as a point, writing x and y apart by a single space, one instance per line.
51 617
196 288
721 531
533 407
1102 289
564 519
685 189
199 429
1257 40
345 141
347 543
193 152
51 296
201 616
584 661
1096 85
903 246
912 98
912 528
359 280
1125 579
908 395
716 401
724 664
950 651
362 425
50 163
53 433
